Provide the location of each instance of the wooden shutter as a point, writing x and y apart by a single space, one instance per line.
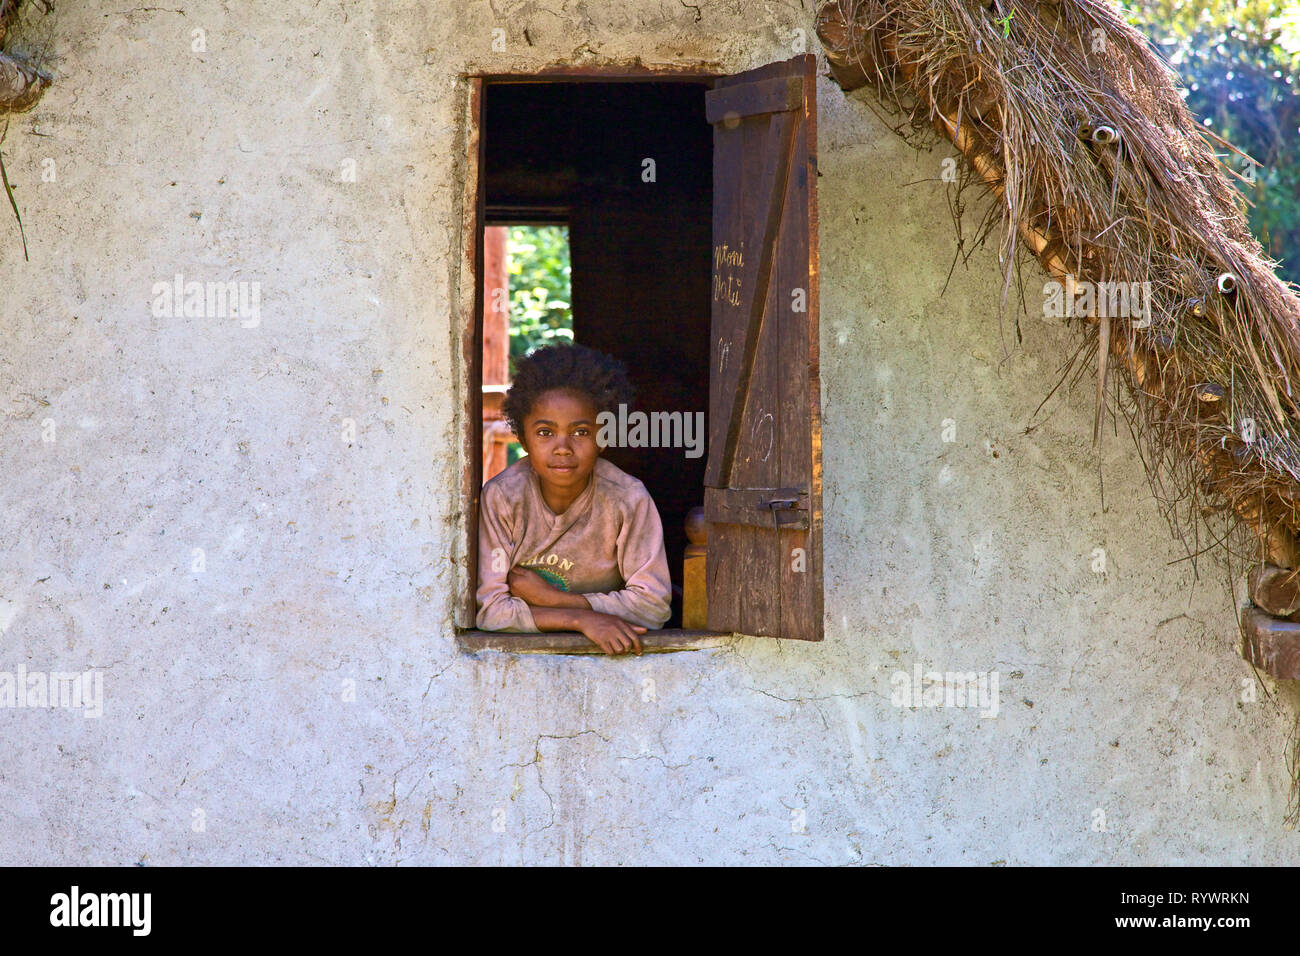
763 483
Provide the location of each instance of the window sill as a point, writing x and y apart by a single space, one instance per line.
571 642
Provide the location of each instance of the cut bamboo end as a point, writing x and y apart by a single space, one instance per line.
1270 643
1275 589
1210 393
1104 135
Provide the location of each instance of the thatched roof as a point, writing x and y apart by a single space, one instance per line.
1065 112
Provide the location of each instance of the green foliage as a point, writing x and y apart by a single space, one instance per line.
1239 61
540 313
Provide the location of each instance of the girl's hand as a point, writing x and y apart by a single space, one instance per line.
611 634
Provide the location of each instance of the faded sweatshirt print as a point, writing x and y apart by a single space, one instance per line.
608 546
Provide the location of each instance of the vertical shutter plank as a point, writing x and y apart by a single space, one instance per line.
725 546
756 457
801 611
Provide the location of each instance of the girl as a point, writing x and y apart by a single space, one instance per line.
567 540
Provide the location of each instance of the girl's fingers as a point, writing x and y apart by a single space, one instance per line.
628 632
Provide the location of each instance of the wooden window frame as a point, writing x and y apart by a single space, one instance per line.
468 349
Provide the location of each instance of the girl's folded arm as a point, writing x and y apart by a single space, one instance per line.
499 610
643 564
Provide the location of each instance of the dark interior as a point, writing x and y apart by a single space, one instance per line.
573 152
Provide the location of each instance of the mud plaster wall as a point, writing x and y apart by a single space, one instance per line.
225 737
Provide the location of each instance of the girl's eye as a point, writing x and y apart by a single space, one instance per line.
543 432
580 431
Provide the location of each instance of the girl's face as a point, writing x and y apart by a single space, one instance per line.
559 434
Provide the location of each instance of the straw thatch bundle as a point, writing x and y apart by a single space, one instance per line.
21 82
1066 114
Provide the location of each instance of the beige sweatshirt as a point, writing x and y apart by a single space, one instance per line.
608 546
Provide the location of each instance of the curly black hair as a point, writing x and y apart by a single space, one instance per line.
600 377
